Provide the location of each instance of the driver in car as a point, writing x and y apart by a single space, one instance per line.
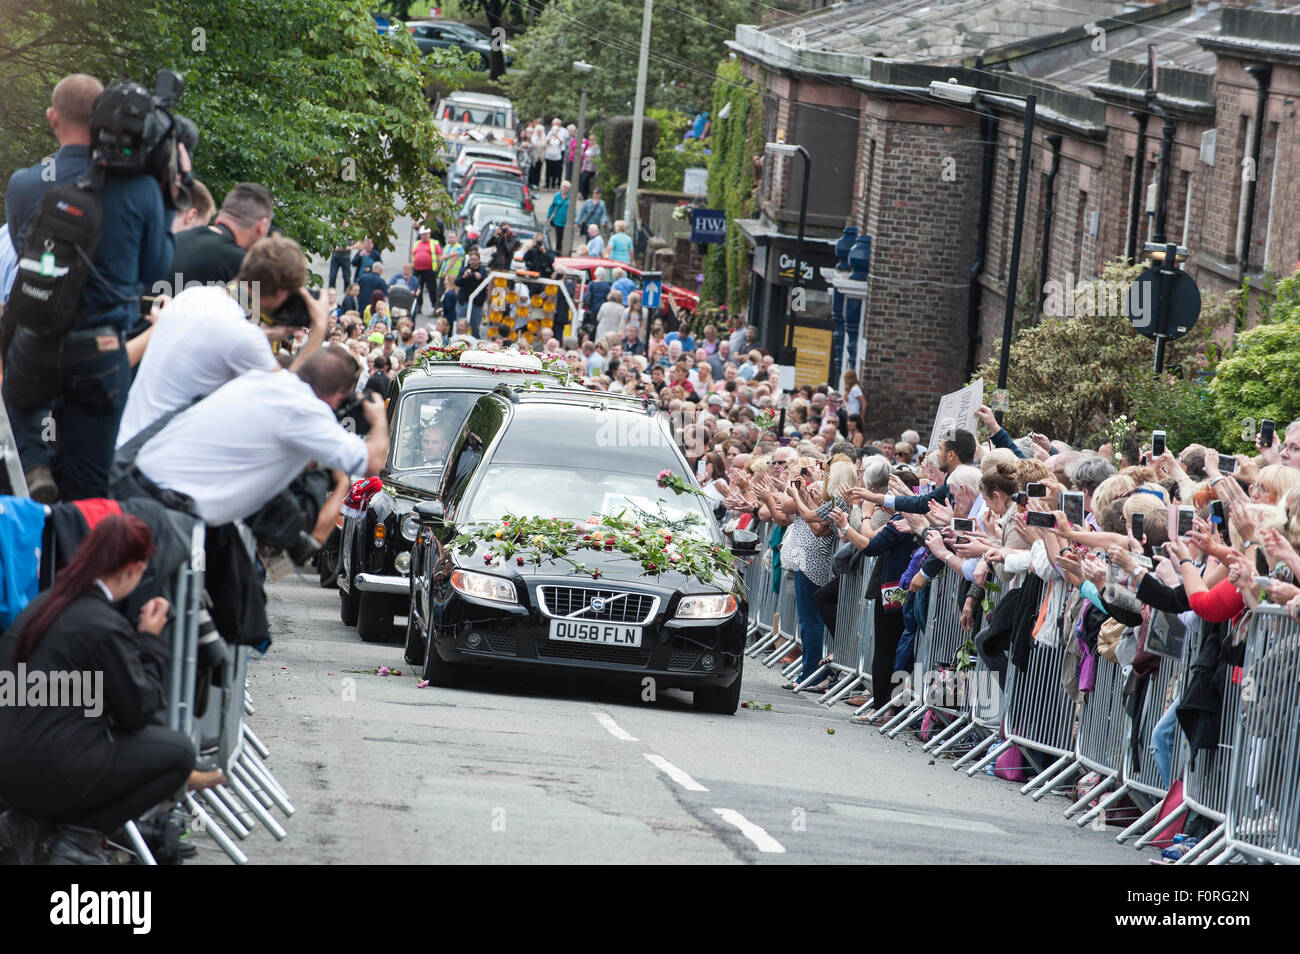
433 444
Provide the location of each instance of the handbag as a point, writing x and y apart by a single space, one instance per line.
1108 638
846 558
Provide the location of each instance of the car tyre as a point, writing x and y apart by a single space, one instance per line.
375 618
720 701
437 671
349 605
414 650
327 561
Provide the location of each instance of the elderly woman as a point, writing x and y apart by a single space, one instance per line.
888 536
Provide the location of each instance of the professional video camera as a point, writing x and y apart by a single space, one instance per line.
352 417
133 131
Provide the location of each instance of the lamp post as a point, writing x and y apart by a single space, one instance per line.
954 92
566 239
630 214
788 150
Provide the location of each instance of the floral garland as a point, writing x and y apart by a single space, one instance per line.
652 543
670 481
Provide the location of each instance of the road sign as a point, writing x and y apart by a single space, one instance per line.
652 287
1163 303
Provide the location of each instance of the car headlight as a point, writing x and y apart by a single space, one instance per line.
483 586
715 606
411 526
402 563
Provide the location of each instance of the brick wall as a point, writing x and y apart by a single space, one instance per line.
921 226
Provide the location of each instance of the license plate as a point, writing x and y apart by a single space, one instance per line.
602 634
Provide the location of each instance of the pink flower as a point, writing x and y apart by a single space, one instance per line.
422 684
383 671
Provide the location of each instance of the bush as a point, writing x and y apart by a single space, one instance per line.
1261 378
616 148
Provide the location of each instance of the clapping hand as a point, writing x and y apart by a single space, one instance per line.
941 513
153 616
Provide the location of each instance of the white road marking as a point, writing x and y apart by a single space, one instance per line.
674 773
613 727
754 833
889 816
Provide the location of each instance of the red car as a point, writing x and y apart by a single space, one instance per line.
683 298
496 183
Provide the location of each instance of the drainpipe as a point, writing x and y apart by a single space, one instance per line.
1136 190
1049 210
989 136
1262 74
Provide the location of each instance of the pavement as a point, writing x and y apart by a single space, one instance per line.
525 769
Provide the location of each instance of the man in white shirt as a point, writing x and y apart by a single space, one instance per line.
595 243
203 338
243 444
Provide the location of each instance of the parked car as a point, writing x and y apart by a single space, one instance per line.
479 152
490 182
480 208
522 223
682 298
479 165
433 35
372 565
547 454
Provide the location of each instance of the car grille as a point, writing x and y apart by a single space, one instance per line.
504 645
617 655
683 659
627 608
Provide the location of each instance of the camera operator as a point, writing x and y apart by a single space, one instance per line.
88 366
207 336
503 243
241 445
212 254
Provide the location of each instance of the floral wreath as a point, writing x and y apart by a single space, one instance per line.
656 544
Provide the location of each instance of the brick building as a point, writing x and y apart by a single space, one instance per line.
934 184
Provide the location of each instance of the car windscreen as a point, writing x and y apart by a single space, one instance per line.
591 462
427 423
505 187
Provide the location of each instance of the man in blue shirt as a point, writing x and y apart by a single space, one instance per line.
88 367
686 338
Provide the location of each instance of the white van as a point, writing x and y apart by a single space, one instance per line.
475 117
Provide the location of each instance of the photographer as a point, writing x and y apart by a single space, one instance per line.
175 372
87 366
244 443
212 255
503 243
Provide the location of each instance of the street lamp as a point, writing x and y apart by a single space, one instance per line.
566 238
954 92
789 150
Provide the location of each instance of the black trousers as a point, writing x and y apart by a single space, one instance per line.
585 179
889 629
825 599
554 172
148 767
429 282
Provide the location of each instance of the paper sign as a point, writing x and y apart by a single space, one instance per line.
957 412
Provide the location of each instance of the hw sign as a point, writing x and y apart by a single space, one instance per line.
709 225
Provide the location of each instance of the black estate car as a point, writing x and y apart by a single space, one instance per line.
372 568
575 457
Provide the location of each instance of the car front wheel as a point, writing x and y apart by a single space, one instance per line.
721 701
437 671
375 618
349 604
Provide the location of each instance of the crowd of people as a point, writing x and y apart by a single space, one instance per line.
1139 532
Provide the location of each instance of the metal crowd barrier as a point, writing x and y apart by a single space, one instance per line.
251 792
1100 741
1205 783
936 685
1248 785
1039 715
1262 815
1164 689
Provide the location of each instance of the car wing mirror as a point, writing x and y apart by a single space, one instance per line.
430 512
744 542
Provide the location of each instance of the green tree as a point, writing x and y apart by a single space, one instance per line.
1070 375
606 33
301 95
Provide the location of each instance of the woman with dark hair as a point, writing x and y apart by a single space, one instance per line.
855 435
92 763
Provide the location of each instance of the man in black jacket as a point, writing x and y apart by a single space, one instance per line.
953 452
503 243
212 254
539 258
471 275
